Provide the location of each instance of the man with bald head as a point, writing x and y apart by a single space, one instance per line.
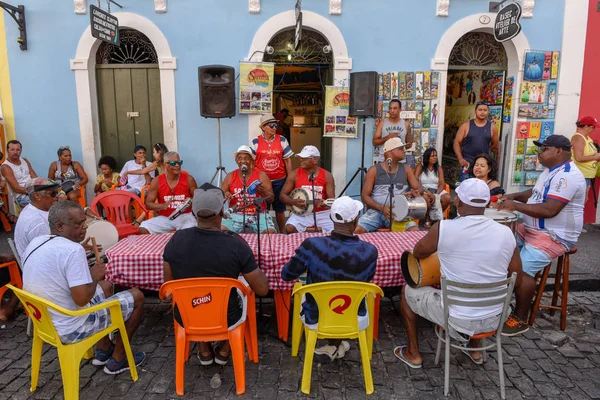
168 193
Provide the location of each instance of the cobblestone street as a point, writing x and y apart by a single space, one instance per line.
543 363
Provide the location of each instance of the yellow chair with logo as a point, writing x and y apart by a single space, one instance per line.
69 355
338 304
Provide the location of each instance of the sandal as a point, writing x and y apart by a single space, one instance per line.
221 357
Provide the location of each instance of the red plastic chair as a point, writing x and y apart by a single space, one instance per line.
117 207
202 304
15 276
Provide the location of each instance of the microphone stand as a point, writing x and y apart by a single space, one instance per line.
312 181
391 192
244 199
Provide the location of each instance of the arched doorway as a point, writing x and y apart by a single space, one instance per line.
476 73
299 88
129 97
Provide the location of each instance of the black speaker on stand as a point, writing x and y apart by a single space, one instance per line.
217 100
363 104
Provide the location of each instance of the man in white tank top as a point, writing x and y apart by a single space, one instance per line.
472 249
17 171
389 128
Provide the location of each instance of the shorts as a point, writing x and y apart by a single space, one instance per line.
463 175
434 191
22 200
100 320
236 222
533 260
277 205
373 220
302 223
162 224
131 189
427 302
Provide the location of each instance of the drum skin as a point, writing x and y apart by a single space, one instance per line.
105 233
302 194
505 218
420 272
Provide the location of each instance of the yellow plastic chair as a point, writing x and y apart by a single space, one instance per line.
338 304
69 355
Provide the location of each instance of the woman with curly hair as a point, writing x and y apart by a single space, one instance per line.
484 167
109 177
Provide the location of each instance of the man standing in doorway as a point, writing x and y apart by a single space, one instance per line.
392 127
479 135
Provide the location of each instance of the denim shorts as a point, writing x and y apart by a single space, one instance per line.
373 220
277 205
534 260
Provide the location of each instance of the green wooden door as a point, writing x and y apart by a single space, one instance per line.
130 109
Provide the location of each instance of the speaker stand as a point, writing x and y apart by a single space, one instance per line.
220 171
362 168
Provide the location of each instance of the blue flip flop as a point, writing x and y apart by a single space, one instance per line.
400 356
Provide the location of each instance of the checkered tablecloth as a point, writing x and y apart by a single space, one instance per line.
136 261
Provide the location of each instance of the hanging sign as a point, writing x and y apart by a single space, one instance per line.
507 24
256 88
104 26
337 106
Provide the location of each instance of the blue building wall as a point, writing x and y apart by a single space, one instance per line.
382 35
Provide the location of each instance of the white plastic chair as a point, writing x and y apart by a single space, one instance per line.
492 294
13 248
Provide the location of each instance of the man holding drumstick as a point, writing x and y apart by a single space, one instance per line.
464 257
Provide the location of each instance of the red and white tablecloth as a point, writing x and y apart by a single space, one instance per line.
136 261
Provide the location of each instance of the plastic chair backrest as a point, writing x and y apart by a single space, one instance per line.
39 313
116 204
202 302
338 304
492 294
81 199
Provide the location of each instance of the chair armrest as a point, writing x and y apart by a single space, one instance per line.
113 304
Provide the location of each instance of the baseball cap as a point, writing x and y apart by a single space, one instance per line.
309 151
473 192
244 149
266 118
392 144
207 198
39 184
345 209
558 141
588 120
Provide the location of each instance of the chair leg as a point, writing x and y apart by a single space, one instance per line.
366 361
447 364
373 317
438 348
251 329
282 309
539 294
36 358
128 353
297 326
564 297
181 345
311 342
376 317
236 341
559 269
500 365
69 366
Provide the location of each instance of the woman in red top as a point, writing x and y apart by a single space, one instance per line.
324 188
258 184
273 154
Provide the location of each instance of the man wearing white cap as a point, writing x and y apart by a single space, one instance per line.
318 183
342 256
376 189
472 249
242 188
273 154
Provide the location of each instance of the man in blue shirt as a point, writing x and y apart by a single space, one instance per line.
338 257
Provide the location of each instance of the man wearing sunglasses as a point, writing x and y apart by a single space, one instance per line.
273 154
168 196
552 220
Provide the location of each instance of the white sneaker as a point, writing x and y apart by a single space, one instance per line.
325 354
342 349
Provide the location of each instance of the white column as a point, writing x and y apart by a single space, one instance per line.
571 66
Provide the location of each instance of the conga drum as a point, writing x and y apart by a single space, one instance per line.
420 272
505 218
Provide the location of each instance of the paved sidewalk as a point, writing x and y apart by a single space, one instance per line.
543 363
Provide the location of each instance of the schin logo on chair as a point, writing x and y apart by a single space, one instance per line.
198 301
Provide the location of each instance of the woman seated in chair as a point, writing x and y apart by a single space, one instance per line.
157 166
68 173
484 167
431 175
109 177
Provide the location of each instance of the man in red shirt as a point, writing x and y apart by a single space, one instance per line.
258 184
273 154
169 192
324 188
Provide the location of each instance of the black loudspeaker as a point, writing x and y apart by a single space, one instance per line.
217 91
363 94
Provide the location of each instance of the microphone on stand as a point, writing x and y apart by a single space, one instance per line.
232 210
389 162
244 170
311 177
